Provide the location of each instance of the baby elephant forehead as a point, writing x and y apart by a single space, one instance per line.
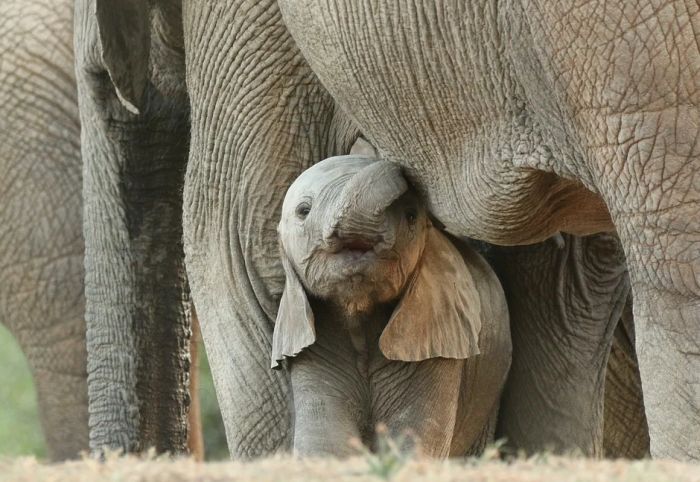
325 172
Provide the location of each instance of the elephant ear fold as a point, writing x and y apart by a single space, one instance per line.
439 314
124 31
294 327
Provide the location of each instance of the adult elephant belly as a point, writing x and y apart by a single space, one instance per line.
430 88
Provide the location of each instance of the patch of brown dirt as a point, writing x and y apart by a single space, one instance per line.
287 469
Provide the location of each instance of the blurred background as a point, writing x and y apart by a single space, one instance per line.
20 432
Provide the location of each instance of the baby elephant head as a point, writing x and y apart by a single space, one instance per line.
353 233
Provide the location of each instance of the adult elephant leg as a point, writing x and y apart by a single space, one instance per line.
259 117
564 299
134 147
626 433
41 243
633 118
660 231
61 387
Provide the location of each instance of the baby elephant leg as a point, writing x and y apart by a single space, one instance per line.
419 400
329 407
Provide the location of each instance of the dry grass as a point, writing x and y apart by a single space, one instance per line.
286 469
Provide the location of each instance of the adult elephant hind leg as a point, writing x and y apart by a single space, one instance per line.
654 199
564 301
664 262
667 325
635 116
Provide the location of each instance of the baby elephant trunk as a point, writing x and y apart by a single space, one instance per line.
361 216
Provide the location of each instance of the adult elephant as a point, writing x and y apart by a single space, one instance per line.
41 243
259 116
518 119
42 299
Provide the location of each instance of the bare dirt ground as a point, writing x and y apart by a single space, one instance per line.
365 468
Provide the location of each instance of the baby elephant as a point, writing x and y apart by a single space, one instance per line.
383 318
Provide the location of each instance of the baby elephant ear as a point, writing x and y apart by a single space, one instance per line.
440 312
294 327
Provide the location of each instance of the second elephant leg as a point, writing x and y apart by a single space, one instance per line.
41 244
564 300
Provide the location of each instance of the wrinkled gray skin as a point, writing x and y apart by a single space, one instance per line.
382 320
544 117
626 433
41 239
134 116
586 286
41 243
259 117
58 288
258 120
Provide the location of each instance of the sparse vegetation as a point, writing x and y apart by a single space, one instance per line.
214 434
390 454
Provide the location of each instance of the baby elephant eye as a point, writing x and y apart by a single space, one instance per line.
411 216
303 210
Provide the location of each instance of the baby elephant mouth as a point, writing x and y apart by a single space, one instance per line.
356 250
361 245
